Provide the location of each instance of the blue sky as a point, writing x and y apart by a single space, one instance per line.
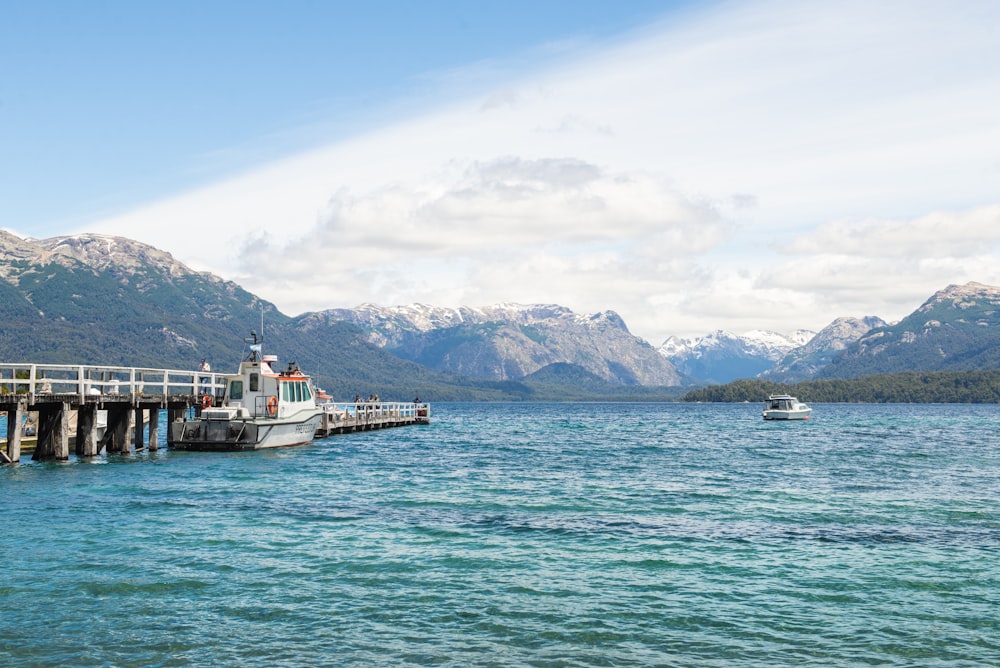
107 104
763 164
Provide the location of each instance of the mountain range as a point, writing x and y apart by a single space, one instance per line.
957 329
94 299
511 341
721 356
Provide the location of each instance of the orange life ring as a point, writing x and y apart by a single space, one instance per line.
206 401
272 405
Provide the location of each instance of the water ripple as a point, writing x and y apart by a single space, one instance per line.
509 535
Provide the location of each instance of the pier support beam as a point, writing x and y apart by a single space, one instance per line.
53 431
87 443
154 431
138 436
15 416
119 422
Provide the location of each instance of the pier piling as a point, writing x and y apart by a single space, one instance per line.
15 416
87 443
53 431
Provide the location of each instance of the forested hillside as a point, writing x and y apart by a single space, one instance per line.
975 387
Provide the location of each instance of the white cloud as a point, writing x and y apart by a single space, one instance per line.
895 263
658 177
544 230
940 234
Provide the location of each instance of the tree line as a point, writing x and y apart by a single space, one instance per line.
958 387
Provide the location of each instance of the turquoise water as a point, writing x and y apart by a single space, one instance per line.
523 535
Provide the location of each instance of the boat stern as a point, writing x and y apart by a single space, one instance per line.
216 434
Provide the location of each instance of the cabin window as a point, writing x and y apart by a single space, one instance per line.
298 391
284 392
255 382
236 390
306 394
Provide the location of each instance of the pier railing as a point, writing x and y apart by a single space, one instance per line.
88 381
376 408
352 416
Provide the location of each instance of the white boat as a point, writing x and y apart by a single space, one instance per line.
261 408
785 407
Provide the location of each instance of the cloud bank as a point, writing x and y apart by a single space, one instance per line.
748 165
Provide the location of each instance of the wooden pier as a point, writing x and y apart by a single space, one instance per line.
347 418
126 398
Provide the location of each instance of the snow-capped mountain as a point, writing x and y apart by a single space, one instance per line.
721 356
138 305
389 326
803 362
508 341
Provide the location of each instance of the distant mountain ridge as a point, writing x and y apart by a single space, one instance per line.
96 299
956 329
113 300
509 341
721 356
805 361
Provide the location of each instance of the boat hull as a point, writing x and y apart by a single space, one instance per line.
787 415
243 434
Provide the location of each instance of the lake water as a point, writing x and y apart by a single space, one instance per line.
523 535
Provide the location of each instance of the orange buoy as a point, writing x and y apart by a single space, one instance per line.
272 405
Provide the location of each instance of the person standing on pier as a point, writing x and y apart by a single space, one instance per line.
205 367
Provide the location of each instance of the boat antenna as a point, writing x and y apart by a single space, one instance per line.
254 347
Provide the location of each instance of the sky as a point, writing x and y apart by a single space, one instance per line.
692 166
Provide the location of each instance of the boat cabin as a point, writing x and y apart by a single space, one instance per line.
782 403
258 391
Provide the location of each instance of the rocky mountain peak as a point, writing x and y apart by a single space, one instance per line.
844 331
755 342
957 329
964 297
103 252
806 360
508 340
722 356
20 257
674 345
14 249
424 318
117 256
609 319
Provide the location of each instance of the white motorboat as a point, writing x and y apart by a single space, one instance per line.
261 408
785 407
